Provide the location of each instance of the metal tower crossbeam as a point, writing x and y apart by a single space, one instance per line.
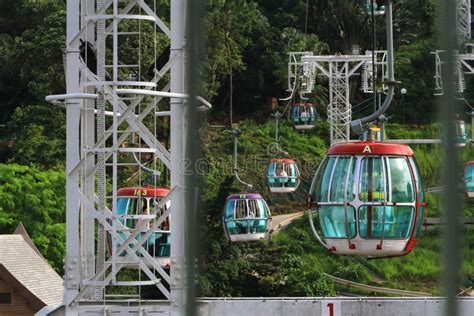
338 69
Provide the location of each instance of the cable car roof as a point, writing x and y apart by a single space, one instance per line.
283 160
239 196
307 104
470 163
144 191
370 148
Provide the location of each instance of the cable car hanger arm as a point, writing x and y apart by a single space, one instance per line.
357 125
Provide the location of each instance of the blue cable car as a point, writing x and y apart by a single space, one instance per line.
283 176
303 116
246 217
368 199
133 208
461 133
469 178
379 8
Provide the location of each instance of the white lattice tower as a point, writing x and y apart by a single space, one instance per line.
97 155
338 69
370 73
464 66
463 21
300 73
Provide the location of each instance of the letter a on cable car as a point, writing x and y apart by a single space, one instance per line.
246 217
367 203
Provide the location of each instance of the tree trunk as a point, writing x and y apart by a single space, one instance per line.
231 91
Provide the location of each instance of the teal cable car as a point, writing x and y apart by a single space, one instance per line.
135 206
461 133
368 200
469 178
303 115
283 175
379 8
246 217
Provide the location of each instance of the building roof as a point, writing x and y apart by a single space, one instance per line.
21 230
30 269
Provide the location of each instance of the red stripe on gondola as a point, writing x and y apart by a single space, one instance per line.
283 160
146 191
370 148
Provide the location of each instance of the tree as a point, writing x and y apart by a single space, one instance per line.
37 199
31 46
229 25
39 132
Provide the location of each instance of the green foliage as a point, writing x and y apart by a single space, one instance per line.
37 199
40 133
31 45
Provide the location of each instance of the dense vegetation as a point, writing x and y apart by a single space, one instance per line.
244 67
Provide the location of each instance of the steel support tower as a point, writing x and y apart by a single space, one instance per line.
97 152
338 69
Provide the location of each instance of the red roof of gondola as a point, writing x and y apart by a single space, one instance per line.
470 163
283 160
145 191
307 104
370 148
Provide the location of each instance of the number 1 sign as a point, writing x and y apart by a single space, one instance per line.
330 308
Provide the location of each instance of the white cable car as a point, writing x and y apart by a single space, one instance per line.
246 217
283 176
368 199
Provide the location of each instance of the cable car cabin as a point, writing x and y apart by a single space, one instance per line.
379 8
469 178
461 133
135 208
246 217
368 199
303 116
283 176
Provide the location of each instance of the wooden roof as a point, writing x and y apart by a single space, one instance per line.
25 265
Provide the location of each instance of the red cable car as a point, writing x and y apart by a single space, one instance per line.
135 206
368 199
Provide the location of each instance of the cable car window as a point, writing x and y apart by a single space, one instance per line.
295 112
344 167
271 170
322 186
263 208
122 206
333 221
402 182
240 209
372 180
229 210
461 128
397 224
469 178
254 210
421 195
